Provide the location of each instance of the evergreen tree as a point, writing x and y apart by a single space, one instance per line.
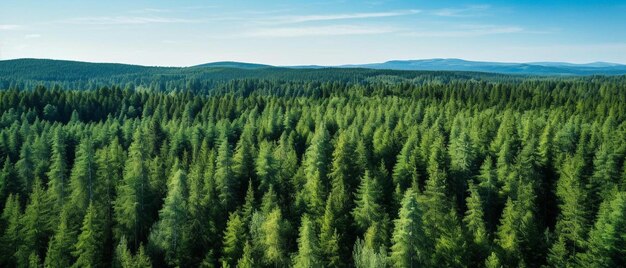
316 164
132 213
89 246
246 261
224 176
408 249
571 227
61 245
11 235
57 175
273 238
34 233
606 239
475 223
167 233
368 208
8 182
234 237
308 249
83 176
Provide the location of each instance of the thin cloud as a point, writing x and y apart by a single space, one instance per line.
345 16
468 11
331 30
470 31
8 27
121 20
32 36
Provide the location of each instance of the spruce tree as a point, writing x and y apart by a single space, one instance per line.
408 248
167 233
88 250
308 254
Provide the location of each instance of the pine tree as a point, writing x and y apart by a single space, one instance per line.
61 245
274 243
316 164
368 208
475 223
366 257
344 166
408 248
34 233
246 261
571 227
243 159
25 168
11 236
334 226
488 189
266 168
606 239
57 175
308 249
234 237
83 176
224 176
8 182
132 213
167 234
89 246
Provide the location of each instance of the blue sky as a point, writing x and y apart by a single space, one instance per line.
183 33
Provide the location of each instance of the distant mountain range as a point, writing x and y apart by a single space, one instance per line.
533 68
42 68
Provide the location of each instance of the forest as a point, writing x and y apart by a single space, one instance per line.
311 168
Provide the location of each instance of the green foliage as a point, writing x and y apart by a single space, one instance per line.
308 254
409 249
89 246
210 167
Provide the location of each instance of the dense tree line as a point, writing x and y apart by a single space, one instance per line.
278 173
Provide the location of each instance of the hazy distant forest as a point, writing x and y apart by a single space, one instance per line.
311 168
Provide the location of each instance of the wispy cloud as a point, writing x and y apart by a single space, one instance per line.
467 11
8 27
345 16
121 20
469 31
331 30
32 36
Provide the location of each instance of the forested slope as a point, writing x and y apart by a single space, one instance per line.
437 170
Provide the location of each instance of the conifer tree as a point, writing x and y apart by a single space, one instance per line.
88 250
61 245
8 182
224 177
11 235
34 233
57 175
83 176
571 227
316 164
408 248
308 248
234 237
368 208
606 239
132 213
167 233
274 242
247 260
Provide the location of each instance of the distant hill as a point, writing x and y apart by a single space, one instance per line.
538 68
234 64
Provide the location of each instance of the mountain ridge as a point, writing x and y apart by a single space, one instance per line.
434 64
